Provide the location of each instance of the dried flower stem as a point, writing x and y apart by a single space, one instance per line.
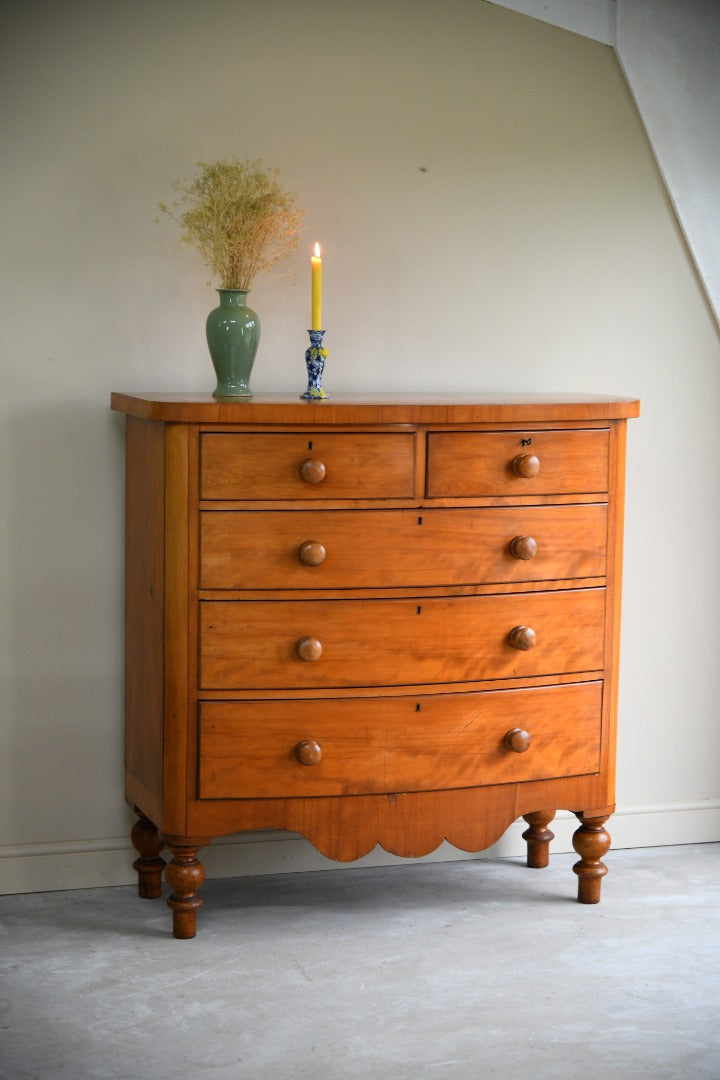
239 217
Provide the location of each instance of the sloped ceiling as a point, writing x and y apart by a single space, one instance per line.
591 18
669 51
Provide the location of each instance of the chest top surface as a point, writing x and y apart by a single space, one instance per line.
376 408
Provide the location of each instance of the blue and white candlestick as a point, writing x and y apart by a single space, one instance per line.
315 358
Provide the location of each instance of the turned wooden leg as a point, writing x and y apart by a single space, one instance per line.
185 875
538 838
149 865
591 842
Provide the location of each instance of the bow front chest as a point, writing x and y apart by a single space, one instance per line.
370 620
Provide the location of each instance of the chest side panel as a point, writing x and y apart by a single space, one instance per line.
144 602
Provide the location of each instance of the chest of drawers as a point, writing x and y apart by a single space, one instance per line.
370 621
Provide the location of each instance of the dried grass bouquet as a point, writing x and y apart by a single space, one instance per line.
239 217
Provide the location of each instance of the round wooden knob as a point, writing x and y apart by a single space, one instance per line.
527 465
312 471
312 553
523 547
308 752
309 648
522 638
517 740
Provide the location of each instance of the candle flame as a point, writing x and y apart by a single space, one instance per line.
317 251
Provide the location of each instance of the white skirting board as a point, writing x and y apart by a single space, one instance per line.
90 864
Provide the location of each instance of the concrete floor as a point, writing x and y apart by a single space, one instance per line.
453 971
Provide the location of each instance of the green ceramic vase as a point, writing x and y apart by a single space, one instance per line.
233 333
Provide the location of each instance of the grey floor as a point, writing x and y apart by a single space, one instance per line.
423 972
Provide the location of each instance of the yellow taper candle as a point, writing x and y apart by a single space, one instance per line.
316 271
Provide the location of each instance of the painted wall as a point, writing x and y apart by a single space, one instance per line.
492 219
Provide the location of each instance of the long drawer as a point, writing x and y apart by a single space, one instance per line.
317 549
274 749
307 466
465 464
345 643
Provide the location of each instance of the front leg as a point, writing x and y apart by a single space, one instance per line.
185 875
591 842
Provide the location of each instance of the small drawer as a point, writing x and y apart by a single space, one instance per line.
284 749
376 549
465 464
262 466
345 643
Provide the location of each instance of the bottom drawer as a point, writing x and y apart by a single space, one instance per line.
355 746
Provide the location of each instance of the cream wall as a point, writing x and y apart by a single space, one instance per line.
492 219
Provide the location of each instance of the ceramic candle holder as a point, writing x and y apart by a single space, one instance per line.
315 357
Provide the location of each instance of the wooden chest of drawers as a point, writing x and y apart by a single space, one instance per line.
370 621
